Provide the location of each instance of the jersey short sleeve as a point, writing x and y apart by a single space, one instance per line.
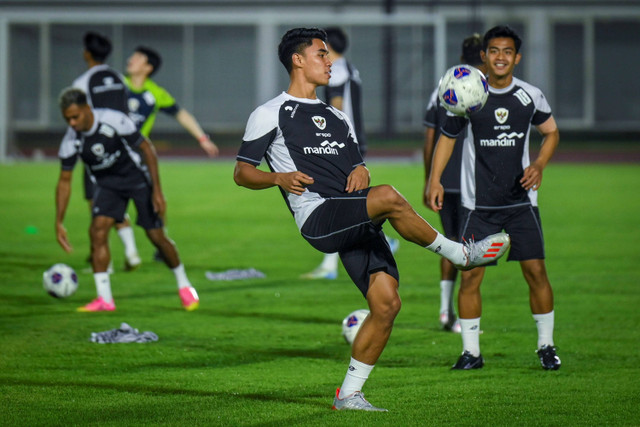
68 151
431 115
454 125
260 132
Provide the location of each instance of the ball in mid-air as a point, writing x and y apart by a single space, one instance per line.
463 90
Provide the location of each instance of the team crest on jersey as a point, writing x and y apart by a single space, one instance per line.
502 114
97 149
320 122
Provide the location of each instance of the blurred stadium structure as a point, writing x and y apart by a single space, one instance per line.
220 57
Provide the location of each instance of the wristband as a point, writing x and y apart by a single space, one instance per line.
204 138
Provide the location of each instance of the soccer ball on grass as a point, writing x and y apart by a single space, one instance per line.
60 281
351 324
463 90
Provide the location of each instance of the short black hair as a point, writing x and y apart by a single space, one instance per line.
295 41
499 32
337 39
471 48
70 96
153 57
97 45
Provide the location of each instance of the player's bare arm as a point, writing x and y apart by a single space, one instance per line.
435 190
151 160
429 145
63 193
247 175
532 176
358 179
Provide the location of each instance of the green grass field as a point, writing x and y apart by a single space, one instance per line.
269 351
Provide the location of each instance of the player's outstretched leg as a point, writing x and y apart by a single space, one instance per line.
187 293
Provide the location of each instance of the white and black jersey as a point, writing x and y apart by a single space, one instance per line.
104 87
345 82
107 151
296 134
497 151
435 117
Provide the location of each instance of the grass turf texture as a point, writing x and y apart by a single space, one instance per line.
269 351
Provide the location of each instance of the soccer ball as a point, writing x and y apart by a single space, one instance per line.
351 324
463 90
60 281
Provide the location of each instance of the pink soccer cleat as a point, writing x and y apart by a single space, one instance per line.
98 304
189 298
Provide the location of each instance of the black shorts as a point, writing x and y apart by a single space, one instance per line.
342 225
451 215
89 186
522 223
113 203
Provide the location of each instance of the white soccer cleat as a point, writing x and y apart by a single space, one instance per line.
487 250
132 262
354 402
321 273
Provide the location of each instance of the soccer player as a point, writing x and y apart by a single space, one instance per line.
450 214
105 88
344 92
312 152
499 187
146 98
111 148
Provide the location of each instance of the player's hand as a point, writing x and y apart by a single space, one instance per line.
358 179
294 182
209 147
425 195
435 196
61 236
159 203
532 178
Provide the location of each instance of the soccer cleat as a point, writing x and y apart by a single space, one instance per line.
98 304
450 322
189 298
485 251
548 358
321 273
394 244
354 402
132 262
468 361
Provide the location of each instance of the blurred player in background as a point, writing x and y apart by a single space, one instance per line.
499 187
344 92
105 88
434 118
124 166
147 98
312 152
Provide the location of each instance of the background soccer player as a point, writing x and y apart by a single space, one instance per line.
312 151
104 88
105 140
450 213
499 188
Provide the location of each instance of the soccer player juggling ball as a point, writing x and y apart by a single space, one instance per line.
313 155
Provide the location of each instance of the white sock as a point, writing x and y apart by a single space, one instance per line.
128 240
330 262
446 296
448 248
471 335
357 374
181 277
103 286
544 323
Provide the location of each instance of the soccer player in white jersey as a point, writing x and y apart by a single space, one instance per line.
123 166
499 186
450 213
105 88
312 152
344 92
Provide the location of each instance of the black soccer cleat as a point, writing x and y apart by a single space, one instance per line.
468 361
548 358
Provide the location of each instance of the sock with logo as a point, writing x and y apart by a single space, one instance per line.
103 286
471 335
181 276
448 248
357 374
446 296
544 323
